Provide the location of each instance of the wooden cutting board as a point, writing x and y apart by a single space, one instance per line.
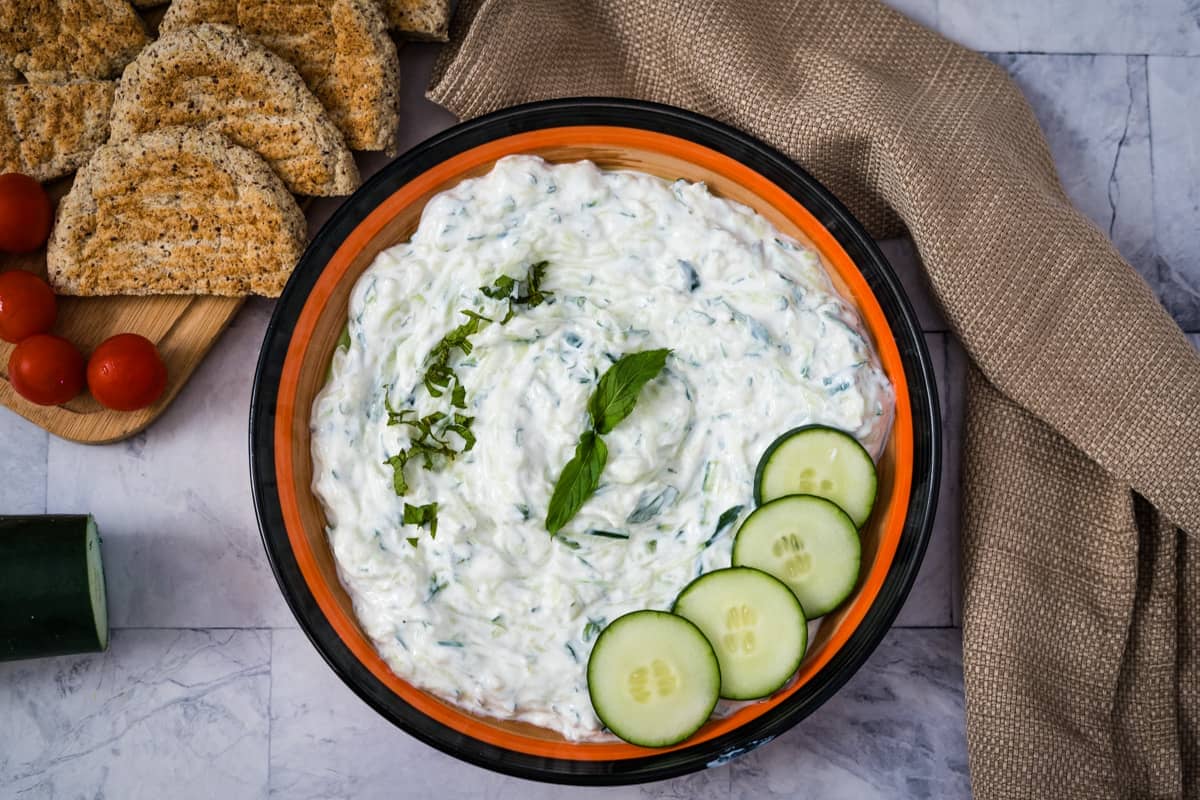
184 328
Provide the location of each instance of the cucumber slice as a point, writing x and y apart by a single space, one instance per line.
51 587
755 624
808 543
653 678
819 460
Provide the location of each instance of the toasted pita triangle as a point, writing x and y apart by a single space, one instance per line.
340 47
212 76
175 211
47 131
55 41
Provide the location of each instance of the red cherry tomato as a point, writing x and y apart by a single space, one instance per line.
27 305
47 370
25 213
126 373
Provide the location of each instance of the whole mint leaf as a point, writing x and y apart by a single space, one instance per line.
619 386
578 481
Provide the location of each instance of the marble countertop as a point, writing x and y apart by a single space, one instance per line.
209 689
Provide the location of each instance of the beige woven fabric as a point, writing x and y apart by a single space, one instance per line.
1081 599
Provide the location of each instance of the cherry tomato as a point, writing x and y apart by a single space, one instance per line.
126 373
27 305
25 213
47 370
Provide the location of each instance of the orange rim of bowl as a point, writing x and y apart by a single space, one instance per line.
891 521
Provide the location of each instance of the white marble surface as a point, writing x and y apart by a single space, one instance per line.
1168 27
893 731
1175 163
210 690
164 713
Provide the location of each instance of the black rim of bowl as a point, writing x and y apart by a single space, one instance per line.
837 220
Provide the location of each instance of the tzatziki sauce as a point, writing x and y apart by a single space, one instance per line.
492 613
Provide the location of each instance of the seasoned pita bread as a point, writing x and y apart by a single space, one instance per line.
47 131
211 76
340 47
8 73
175 211
419 19
55 41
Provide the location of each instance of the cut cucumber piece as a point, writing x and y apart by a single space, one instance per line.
807 542
755 624
51 587
819 460
653 678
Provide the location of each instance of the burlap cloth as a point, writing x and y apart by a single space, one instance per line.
1080 609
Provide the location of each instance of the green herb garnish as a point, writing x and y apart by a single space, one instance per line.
397 462
613 400
501 288
618 390
429 439
438 374
525 294
422 515
578 481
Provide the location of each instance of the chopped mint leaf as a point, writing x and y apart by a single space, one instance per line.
501 288
397 462
422 515
429 433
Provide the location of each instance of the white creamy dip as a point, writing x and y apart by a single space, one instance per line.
493 613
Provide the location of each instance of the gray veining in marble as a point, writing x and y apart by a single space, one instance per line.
1175 119
1096 116
1066 26
327 744
181 544
22 465
895 730
163 714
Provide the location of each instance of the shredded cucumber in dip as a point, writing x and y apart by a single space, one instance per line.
494 614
